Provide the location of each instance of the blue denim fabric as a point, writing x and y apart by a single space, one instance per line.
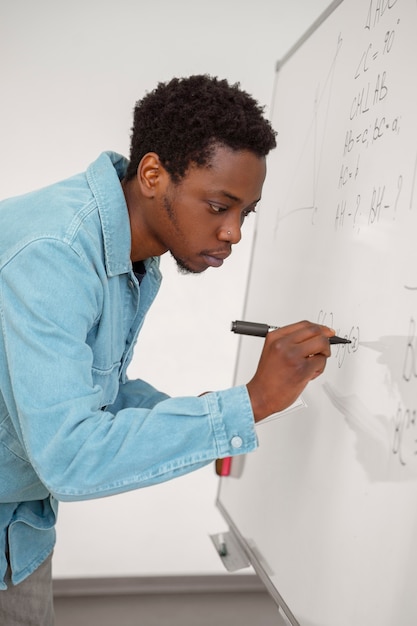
72 425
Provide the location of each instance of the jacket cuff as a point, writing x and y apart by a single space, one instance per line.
233 421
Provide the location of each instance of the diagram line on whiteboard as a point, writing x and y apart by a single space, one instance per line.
326 91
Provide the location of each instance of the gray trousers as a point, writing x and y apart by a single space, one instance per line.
31 602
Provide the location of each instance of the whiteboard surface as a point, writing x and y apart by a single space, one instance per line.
327 507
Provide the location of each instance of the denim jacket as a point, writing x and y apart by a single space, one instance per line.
72 425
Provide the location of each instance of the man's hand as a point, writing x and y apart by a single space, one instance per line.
291 357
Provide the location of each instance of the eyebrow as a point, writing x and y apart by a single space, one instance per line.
235 198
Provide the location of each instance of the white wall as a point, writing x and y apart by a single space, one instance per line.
70 75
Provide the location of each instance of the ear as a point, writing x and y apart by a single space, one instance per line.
151 174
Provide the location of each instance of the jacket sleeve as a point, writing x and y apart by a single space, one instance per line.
79 447
136 394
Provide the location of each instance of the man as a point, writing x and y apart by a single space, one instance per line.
78 272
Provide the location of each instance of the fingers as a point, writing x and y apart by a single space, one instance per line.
304 330
292 356
313 339
318 364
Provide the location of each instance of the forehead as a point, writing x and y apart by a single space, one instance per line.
237 173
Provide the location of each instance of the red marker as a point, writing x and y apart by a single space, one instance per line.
223 466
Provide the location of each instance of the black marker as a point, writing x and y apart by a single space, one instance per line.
261 330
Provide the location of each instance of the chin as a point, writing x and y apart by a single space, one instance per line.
184 268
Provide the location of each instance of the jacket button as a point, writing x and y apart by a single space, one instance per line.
236 442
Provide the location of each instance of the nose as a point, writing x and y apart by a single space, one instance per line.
230 234
230 231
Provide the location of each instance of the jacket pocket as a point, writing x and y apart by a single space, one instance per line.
108 381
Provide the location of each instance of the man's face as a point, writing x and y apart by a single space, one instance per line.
201 216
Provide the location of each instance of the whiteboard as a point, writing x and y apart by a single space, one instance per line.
326 508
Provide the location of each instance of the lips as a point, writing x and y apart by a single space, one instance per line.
215 260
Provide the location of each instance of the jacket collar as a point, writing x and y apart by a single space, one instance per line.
104 176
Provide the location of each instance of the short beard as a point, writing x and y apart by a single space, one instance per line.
182 267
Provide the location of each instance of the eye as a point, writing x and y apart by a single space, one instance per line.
217 208
247 212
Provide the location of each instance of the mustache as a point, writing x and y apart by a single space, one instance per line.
220 252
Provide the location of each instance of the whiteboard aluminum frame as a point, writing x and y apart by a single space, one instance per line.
254 560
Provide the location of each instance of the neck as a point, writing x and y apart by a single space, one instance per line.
143 243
